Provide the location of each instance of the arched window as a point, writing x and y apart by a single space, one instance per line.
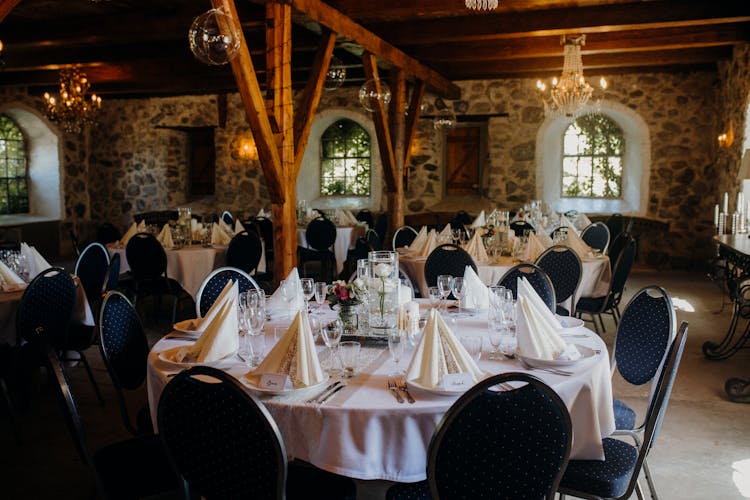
592 163
345 160
14 195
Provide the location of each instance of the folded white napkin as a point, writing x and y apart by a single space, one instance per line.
295 355
238 227
480 221
577 244
537 328
219 235
475 248
439 352
35 263
227 229
582 221
564 222
276 302
419 240
351 218
477 295
165 237
220 326
446 233
534 248
142 226
9 278
544 239
429 245
129 234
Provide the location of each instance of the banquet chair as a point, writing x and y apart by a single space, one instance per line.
215 282
244 251
320 235
519 226
618 244
148 264
537 278
265 230
617 475
616 225
447 259
107 233
91 268
596 236
135 468
564 268
365 215
403 236
228 218
594 307
113 274
373 239
124 349
494 444
225 444
381 227
461 219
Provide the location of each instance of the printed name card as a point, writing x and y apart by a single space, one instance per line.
277 381
456 381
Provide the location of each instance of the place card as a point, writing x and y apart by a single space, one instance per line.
456 381
275 381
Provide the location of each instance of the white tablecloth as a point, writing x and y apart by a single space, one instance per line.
189 266
346 238
595 277
362 432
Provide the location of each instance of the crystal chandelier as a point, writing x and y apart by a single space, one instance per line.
481 4
571 92
72 108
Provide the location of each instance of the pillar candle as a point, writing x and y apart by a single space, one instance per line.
716 215
726 203
740 202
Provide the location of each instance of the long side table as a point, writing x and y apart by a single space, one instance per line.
735 250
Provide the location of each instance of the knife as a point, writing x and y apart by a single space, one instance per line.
323 392
328 396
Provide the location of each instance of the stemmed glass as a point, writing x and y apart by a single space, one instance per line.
321 289
331 337
445 285
510 316
495 324
288 294
456 235
308 290
459 291
434 296
396 342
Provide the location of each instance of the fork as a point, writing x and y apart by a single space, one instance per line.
405 389
394 389
556 371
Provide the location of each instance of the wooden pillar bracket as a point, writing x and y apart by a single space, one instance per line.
382 129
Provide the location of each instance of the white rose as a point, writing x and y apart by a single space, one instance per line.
383 270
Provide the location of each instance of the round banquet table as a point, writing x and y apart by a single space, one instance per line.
364 433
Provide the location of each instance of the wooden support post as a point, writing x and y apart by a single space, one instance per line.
382 129
412 119
6 6
398 127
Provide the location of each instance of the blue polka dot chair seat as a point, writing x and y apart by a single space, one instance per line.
215 282
564 268
225 444
497 444
596 236
617 475
447 259
124 350
537 278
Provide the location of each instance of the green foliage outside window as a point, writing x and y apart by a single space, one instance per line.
14 196
345 160
593 150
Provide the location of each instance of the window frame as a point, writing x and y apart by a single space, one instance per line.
324 158
22 203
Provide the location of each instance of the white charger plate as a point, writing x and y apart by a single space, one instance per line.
586 353
279 392
166 356
569 322
184 327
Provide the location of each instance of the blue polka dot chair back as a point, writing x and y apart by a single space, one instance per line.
518 227
244 251
113 273
501 443
644 334
228 218
47 303
596 236
320 234
221 439
215 283
564 268
404 236
536 277
447 259
91 268
123 343
146 257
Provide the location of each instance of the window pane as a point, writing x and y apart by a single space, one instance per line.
345 160
570 166
13 189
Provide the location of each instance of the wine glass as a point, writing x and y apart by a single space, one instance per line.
288 294
396 342
445 285
495 326
434 295
321 289
508 341
459 291
256 321
331 337
315 325
308 290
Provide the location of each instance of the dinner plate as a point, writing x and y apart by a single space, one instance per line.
278 392
185 327
167 355
569 322
586 353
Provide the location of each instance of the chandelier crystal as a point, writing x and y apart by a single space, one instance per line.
481 4
72 108
569 94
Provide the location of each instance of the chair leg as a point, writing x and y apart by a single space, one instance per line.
9 406
649 480
91 377
601 320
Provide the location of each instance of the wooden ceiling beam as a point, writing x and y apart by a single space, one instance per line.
548 22
344 26
6 6
412 120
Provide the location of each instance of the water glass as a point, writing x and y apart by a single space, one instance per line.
473 345
459 291
434 295
321 290
445 285
495 326
349 357
363 269
308 290
396 344
331 337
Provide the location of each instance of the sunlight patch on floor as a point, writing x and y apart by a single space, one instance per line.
682 305
741 476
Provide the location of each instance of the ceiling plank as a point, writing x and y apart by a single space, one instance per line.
593 19
344 26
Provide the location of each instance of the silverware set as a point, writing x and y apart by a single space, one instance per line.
556 371
327 393
397 385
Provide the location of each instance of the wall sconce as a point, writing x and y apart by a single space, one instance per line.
247 148
726 139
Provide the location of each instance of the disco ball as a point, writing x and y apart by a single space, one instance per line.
369 95
209 42
336 74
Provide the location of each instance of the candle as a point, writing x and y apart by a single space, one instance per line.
716 215
740 201
726 203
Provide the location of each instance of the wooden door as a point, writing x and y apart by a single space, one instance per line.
462 161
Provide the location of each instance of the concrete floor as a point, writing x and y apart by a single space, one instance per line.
703 451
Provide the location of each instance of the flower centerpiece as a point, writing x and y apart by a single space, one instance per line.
347 296
383 287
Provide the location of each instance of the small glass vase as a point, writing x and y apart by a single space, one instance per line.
382 292
348 317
